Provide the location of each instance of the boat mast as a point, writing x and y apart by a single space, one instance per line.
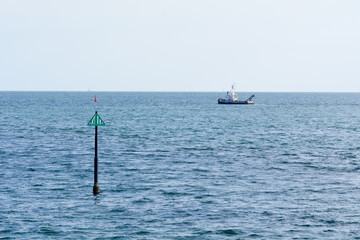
234 95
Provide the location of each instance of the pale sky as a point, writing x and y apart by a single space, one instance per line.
180 45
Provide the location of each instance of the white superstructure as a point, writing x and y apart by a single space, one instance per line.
232 95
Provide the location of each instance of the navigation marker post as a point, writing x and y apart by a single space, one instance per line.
96 121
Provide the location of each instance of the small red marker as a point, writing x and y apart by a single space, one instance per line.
95 99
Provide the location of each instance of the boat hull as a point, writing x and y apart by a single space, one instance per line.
223 101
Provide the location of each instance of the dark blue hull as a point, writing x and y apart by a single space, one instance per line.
224 101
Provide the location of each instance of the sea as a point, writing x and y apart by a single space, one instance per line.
177 165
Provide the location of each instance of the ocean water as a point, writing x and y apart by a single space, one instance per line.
180 166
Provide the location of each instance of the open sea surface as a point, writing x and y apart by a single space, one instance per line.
180 166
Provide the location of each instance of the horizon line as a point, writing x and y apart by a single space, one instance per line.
154 91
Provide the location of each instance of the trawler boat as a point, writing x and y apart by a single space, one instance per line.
232 98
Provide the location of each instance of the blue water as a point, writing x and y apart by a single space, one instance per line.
180 166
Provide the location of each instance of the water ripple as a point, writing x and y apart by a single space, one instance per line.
169 168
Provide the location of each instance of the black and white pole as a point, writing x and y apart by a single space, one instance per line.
96 121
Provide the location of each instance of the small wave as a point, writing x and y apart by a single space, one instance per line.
173 193
330 221
58 189
308 216
207 202
132 169
117 190
277 168
162 151
200 170
253 235
290 154
142 188
6 231
204 196
152 220
196 149
49 231
267 213
356 169
118 210
142 233
348 156
229 232
143 200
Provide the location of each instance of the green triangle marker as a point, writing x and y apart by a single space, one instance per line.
96 121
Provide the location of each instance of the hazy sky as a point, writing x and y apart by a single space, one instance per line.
180 45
